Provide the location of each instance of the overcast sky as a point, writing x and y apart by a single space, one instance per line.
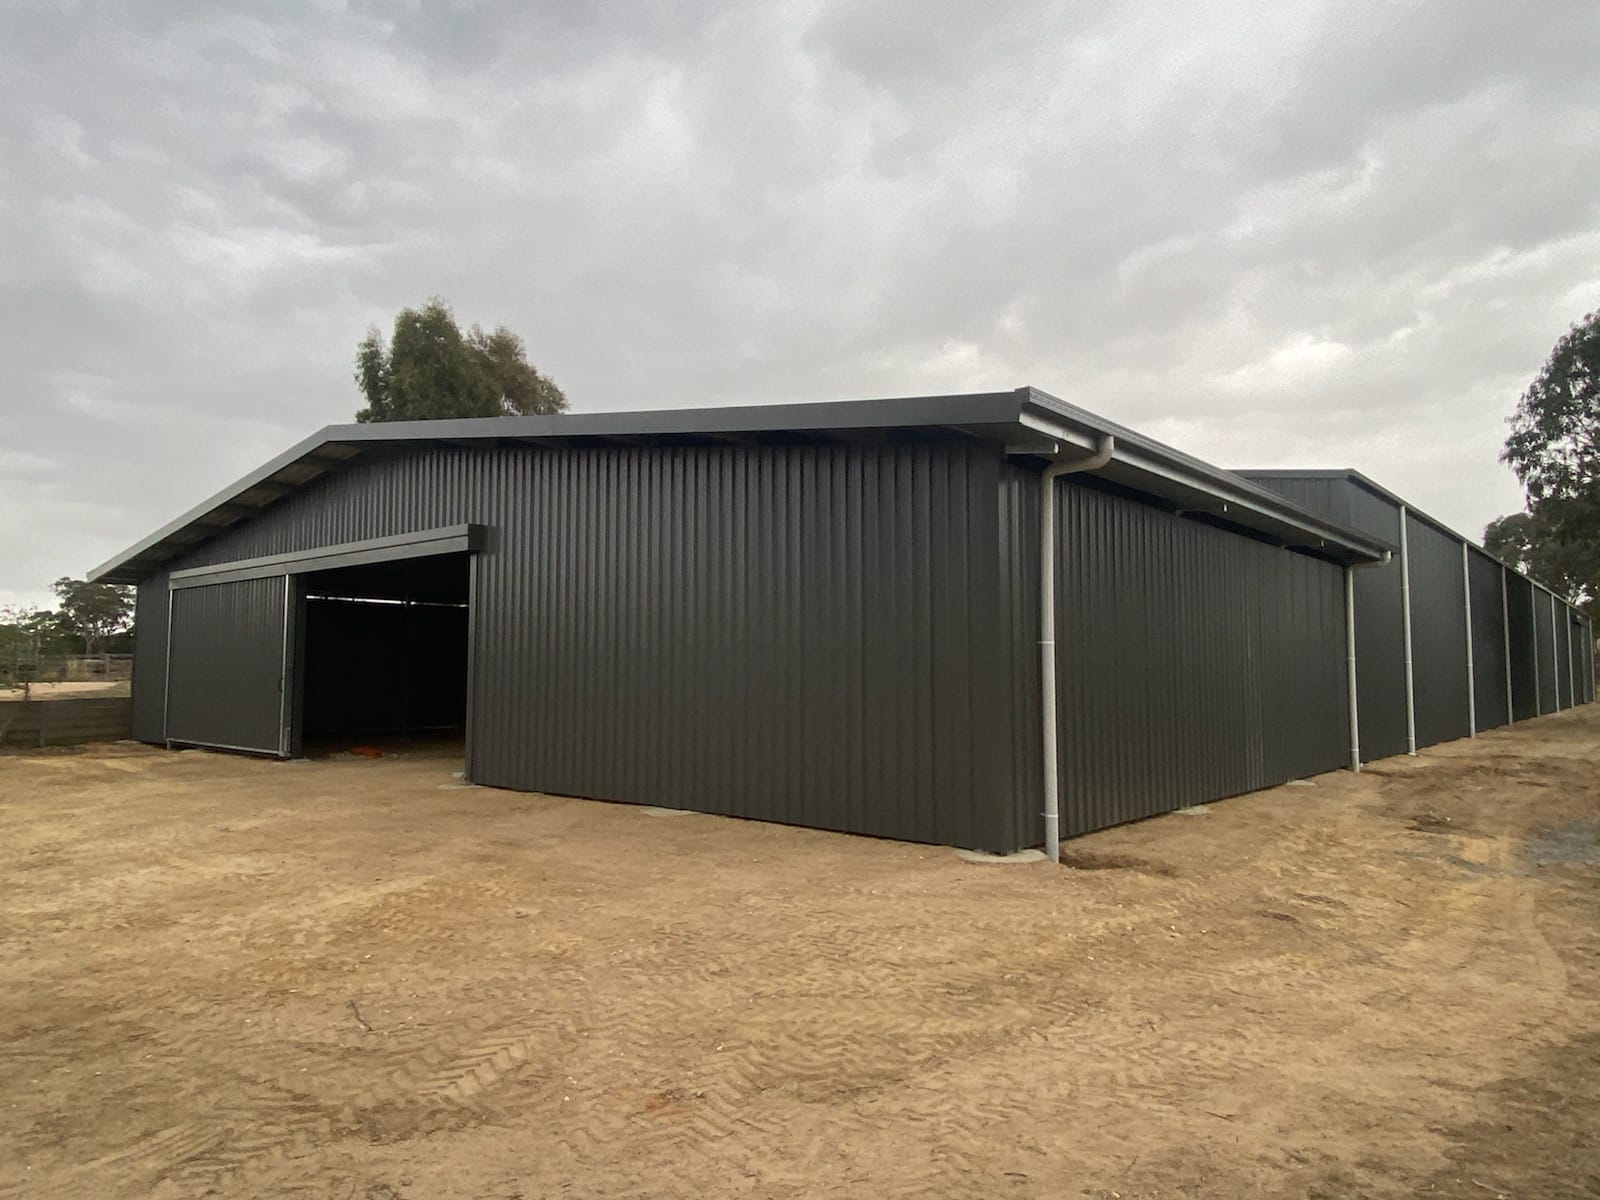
1272 234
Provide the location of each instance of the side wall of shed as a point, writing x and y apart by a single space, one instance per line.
806 634
1193 663
1545 649
1524 647
1565 676
1380 606
150 659
1488 640
1438 634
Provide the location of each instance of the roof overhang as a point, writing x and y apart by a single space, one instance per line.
1025 421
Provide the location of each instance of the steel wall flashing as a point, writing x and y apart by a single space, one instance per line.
451 539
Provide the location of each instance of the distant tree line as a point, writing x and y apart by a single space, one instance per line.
89 619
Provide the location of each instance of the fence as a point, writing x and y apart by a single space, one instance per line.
64 722
65 668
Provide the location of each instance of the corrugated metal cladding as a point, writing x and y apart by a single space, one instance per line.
1544 642
150 659
1440 676
227 665
1565 676
1580 657
1380 605
1585 636
1588 661
1019 616
806 634
1563 658
1524 652
1488 640
1438 634
1193 663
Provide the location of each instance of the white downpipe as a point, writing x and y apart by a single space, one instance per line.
1505 624
1405 605
1047 632
1472 675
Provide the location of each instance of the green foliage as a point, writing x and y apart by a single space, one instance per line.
1554 447
429 370
19 647
1527 542
93 611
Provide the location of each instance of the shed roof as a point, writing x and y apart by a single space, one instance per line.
1356 478
1025 421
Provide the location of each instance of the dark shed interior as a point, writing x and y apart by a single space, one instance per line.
385 650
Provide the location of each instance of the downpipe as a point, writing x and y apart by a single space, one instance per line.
1104 449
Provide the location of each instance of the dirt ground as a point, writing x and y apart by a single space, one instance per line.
53 691
364 979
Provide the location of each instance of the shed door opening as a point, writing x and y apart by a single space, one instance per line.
384 653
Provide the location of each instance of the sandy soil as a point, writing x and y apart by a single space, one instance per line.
364 979
51 691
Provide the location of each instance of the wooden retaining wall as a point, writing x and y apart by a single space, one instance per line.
65 721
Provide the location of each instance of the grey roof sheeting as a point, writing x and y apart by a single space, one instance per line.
1024 421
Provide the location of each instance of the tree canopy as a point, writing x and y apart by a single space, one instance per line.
1526 541
429 369
1554 447
92 611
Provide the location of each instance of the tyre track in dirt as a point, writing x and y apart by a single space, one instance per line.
263 979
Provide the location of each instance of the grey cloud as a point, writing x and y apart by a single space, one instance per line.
1327 233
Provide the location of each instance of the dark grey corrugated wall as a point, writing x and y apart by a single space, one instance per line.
1488 640
227 665
1544 648
1438 634
1588 659
1524 659
150 658
1380 619
1193 663
808 634
1019 614
1563 656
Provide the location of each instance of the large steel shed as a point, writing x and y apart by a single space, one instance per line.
826 614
